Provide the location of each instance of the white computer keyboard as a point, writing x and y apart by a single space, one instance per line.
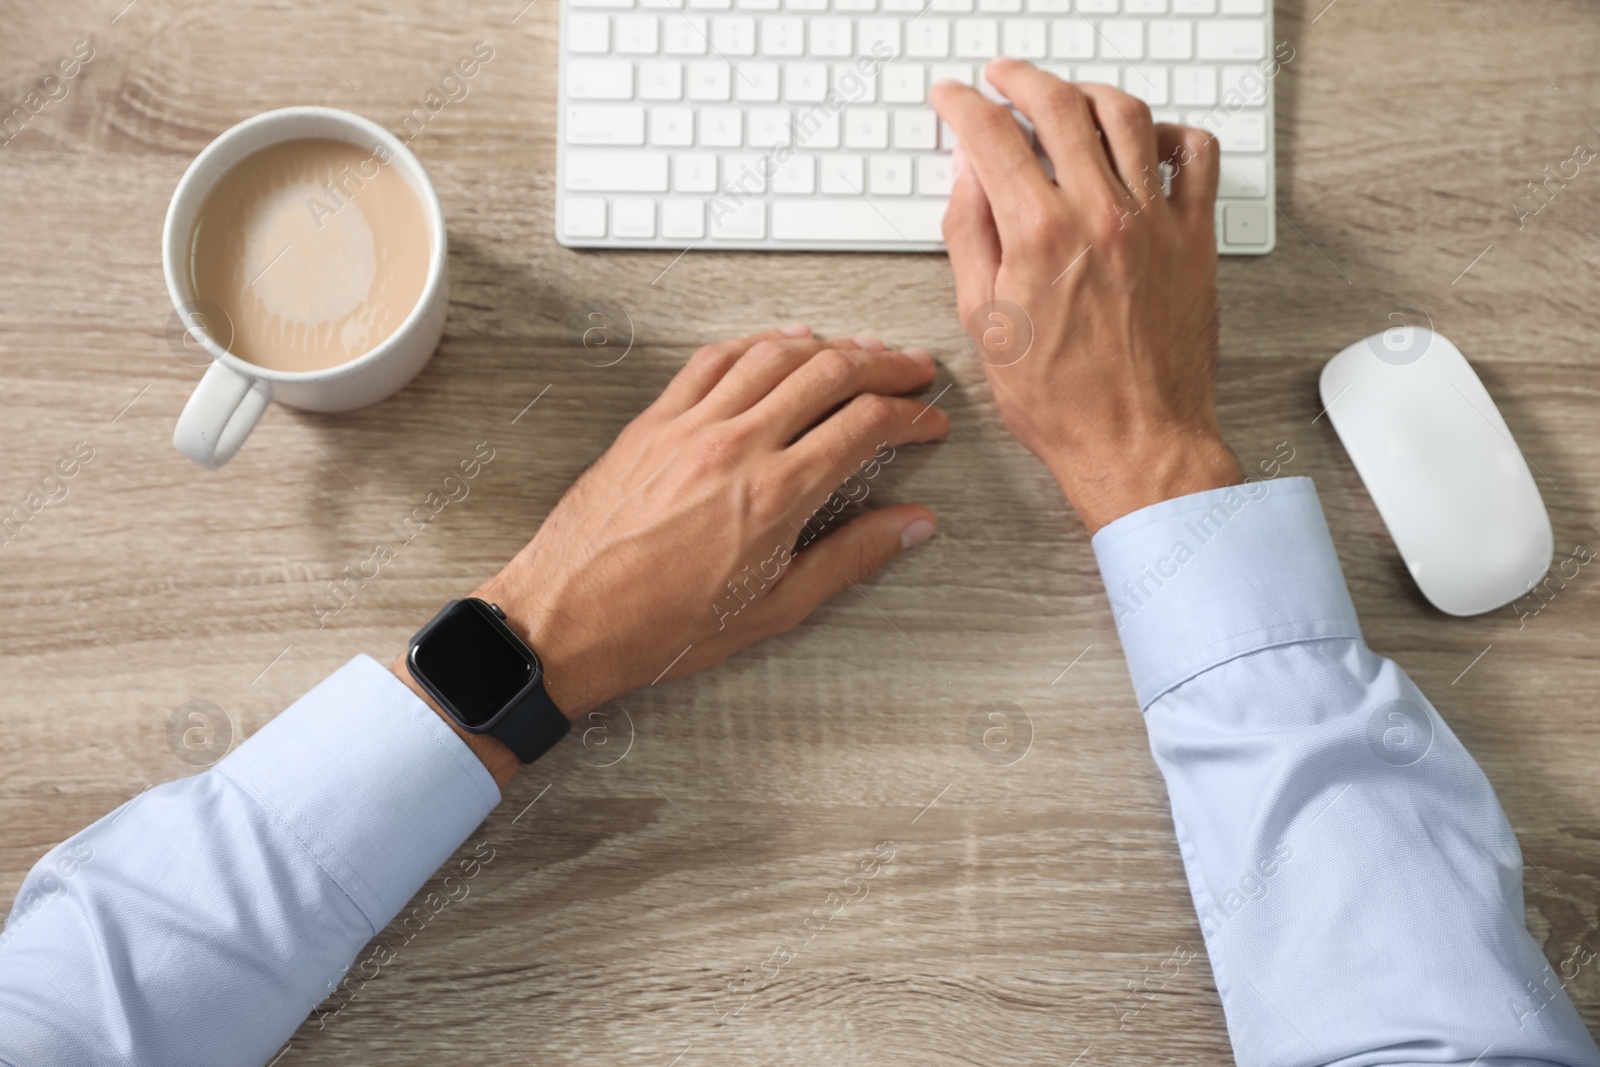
750 123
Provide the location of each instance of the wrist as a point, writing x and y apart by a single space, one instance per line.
501 763
1104 483
574 676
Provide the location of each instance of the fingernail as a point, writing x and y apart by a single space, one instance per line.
870 343
958 160
916 533
796 329
921 356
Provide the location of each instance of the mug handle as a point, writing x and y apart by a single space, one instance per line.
220 414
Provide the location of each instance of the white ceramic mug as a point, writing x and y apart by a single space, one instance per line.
233 393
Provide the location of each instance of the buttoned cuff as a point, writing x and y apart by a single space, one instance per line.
371 781
1203 579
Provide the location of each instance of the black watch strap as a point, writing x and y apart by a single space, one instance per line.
533 726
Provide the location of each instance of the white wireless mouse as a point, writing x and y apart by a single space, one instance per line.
1449 481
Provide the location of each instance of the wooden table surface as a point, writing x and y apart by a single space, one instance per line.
633 905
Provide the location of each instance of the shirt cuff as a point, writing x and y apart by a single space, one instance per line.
374 785
1203 579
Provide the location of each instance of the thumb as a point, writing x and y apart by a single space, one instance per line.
851 554
971 238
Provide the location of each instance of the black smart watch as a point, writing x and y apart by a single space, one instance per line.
486 678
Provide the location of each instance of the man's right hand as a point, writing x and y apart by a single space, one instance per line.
1115 282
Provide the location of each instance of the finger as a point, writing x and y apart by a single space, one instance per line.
1196 161
761 369
1130 135
853 438
710 362
1000 152
852 553
830 378
971 238
1062 118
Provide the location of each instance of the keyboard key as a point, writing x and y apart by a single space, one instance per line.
588 34
583 216
805 83
1049 7
817 128
710 79
878 37
830 37
744 222
977 39
889 222
661 79
797 177
1000 7
599 79
1023 38
633 217
769 127
694 172
1147 83
934 175
683 220
721 127
1233 40
1100 74
889 176
685 35
855 5
745 173
902 83
733 35
1245 224
928 38
1244 131
756 82
852 86
783 36
805 5
1098 7
866 127
637 35
1244 87
1172 39
1145 7
604 124
1194 7
661 4
1072 38
954 72
916 128
615 171
950 6
672 127
1121 39
1244 7
1194 86
757 5
843 175
711 5
1243 176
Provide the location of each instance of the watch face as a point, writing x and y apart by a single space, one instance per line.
471 662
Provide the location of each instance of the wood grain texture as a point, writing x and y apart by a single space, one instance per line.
623 908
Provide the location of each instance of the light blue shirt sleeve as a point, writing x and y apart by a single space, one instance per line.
1357 884
202 921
